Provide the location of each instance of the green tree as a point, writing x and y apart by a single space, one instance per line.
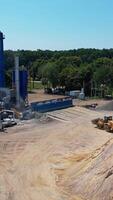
70 79
50 72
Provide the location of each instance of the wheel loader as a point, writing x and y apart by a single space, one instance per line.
109 126
101 122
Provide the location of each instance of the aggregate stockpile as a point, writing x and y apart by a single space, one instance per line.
66 160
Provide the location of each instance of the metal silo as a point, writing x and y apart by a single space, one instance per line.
23 83
2 67
23 75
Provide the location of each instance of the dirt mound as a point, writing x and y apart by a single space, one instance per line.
68 160
108 106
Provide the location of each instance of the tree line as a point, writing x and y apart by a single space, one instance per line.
69 69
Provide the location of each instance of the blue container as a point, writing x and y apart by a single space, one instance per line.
50 105
23 83
2 67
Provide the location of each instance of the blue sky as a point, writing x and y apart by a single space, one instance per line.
57 24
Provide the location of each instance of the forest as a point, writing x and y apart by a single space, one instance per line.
69 69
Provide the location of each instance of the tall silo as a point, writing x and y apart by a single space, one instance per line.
2 67
23 83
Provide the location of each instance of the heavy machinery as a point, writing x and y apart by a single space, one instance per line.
109 126
102 123
7 118
94 121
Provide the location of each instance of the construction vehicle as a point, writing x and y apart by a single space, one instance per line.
109 126
7 118
94 121
102 123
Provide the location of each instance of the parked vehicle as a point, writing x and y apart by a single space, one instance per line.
7 118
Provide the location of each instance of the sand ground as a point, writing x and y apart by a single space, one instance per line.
39 95
64 158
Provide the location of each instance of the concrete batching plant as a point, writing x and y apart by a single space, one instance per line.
20 80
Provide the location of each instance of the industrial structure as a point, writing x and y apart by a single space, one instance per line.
2 66
17 96
19 81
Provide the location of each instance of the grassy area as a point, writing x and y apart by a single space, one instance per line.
35 85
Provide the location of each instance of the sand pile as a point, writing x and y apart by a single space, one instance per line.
71 160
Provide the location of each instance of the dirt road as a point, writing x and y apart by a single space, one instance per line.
39 95
66 158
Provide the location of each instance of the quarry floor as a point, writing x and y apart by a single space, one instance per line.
63 157
39 95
